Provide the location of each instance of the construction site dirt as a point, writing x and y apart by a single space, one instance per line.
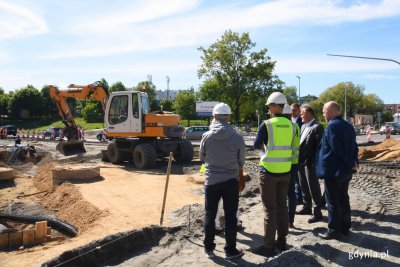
116 212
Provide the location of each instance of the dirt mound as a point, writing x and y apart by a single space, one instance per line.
43 179
69 205
387 150
65 200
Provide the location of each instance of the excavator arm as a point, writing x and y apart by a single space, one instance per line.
95 91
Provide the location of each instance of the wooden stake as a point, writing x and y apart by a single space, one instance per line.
15 239
28 237
166 187
41 231
3 240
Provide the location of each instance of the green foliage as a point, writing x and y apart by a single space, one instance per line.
91 112
237 71
291 94
210 91
105 84
5 102
185 104
151 92
117 86
357 101
387 116
167 104
26 103
49 107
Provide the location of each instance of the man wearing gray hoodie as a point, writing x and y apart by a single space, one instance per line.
222 150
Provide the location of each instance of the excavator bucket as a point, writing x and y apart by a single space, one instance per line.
71 148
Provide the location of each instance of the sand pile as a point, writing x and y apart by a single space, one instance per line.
387 150
69 205
66 200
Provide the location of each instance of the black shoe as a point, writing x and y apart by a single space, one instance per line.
263 251
304 211
281 245
233 254
329 235
298 202
315 219
346 232
209 253
291 225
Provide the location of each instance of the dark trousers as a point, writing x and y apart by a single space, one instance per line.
229 191
274 191
310 187
292 201
299 194
337 199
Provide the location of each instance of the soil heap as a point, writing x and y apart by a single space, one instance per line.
387 150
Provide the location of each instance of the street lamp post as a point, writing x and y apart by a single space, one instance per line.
298 77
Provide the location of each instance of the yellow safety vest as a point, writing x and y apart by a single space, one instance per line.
279 149
296 144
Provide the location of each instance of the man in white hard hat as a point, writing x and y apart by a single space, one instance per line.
222 150
292 200
275 138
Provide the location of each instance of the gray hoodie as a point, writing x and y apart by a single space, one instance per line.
222 150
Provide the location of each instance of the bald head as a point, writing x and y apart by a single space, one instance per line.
331 110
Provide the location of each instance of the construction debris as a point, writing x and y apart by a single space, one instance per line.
387 150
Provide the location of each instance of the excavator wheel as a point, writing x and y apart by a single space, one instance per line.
114 155
144 156
184 151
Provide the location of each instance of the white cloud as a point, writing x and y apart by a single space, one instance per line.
381 77
155 25
19 21
318 64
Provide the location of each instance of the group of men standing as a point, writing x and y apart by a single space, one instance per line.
295 151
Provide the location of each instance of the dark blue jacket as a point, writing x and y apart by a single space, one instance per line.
338 150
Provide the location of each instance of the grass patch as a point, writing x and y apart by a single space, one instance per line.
44 124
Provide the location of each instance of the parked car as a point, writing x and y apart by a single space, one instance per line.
50 130
394 128
11 129
195 132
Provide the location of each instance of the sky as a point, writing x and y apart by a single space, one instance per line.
63 42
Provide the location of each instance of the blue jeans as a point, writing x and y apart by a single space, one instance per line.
292 193
229 191
338 202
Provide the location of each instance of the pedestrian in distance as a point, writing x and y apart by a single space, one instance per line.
296 118
292 200
337 159
311 135
222 150
275 138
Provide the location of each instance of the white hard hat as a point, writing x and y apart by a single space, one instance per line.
287 109
276 98
222 109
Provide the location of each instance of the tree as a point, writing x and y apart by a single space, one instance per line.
238 70
48 106
167 104
185 104
26 103
117 86
356 100
151 92
5 101
91 112
105 84
291 94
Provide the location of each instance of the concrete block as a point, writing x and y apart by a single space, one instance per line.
77 173
6 173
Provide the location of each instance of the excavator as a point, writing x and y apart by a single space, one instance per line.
137 134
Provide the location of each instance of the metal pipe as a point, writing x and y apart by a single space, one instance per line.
166 187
